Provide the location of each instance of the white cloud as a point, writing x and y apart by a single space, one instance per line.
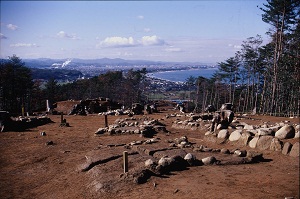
63 34
23 45
140 17
152 41
131 42
2 36
117 42
12 27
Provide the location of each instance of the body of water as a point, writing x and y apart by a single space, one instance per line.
182 75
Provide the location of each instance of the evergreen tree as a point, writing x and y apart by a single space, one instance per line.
282 15
15 85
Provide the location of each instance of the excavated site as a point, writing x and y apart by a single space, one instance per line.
169 154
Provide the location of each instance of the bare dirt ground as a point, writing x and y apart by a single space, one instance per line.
31 169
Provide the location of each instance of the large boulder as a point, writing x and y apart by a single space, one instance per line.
235 135
223 134
264 142
276 144
286 148
285 132
295 150
244 139
253 142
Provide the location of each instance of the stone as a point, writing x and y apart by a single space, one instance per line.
286 148
254 156
43 133
265 131
295 150
253 142
264 142
101 131
244 139
223 134
297 134
235 135
240 153
209 160
285 132
297 127
276 145
49 143
165 161
225 151
149 163
248 127
190 158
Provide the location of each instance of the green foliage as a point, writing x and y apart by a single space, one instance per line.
15 84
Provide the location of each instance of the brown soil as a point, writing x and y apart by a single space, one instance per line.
31 169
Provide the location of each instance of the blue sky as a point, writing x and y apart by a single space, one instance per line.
193 31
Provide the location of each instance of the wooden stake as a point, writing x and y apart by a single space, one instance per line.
105 119
61 117
125 161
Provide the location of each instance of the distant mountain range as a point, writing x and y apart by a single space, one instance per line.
70 63
71 69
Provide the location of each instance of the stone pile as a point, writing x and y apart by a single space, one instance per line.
22 123
144 127
262 137
180 160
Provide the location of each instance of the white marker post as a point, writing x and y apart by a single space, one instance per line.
125 161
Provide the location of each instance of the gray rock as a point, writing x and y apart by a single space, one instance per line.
253 142
190 158
209 133
264 142
295 150
297 127
235 135
264 126
285 132
223 134
101 131
225 151
240 153
165 161
276 145
244 139
264 131
254 156
149 163
286 148
209 160
43 133
248 127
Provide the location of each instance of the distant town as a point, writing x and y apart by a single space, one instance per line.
69 70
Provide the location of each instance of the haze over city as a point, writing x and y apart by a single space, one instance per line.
181 31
